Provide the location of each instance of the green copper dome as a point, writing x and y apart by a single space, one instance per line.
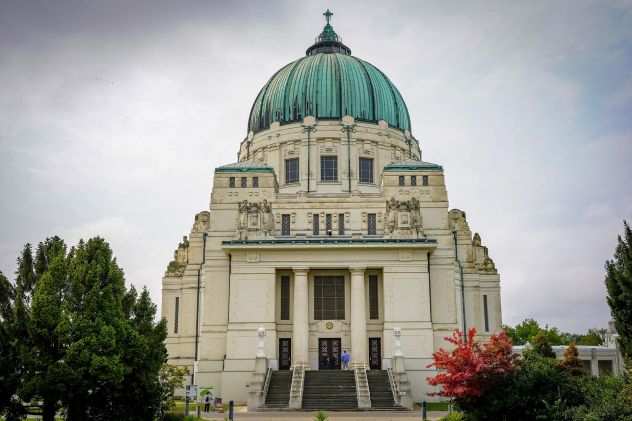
328 83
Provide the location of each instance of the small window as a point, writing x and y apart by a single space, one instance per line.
316 224
244 182
341 224
328 224
372 224
328 168
424 180
285 224
374 311
485 313
366 170
231 182
176 315
401 180
291 171
285 297
413 180
255 181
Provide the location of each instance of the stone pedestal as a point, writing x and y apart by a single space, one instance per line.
401 378
256 399
399 371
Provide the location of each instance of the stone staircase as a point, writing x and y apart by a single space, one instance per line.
329 390
279 390
381 392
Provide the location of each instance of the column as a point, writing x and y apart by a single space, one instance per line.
300 327
359 337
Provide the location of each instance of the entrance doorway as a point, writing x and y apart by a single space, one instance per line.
285 353
329 353
375 353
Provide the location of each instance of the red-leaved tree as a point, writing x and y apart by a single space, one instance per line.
471 366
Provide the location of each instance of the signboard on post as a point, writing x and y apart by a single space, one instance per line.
192 392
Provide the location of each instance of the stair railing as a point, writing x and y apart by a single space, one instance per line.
296 389
363 393
266 385
394 385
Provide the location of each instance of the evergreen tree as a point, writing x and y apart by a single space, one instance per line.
43 378
73 336
115 347
571 361
145 354
619 286
542 346
9 361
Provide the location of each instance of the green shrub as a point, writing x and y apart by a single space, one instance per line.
605 398
321 416
173 417
455 416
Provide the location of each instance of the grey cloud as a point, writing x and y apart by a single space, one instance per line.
114 114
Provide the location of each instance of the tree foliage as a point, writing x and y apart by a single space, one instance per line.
527 330
533 387
171 378
571 361
542 346
470 368
619 286
82 340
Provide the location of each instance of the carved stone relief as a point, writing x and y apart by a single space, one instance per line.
255 219
403 217
180 258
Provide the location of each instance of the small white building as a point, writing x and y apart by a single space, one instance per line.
597 360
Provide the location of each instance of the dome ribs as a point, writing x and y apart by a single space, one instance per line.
329 86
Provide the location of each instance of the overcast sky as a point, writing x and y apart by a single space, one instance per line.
113 115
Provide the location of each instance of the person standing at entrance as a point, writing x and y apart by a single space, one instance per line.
207 402
345 360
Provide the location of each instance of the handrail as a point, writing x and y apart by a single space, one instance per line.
296 388
266 384
363 392
394 386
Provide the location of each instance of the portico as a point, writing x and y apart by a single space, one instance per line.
331 305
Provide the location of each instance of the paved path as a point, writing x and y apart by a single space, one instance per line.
333 416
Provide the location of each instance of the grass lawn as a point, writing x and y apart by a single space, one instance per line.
438 406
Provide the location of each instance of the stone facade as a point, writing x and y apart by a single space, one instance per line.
375 219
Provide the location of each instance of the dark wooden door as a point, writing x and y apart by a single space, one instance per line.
329 353
285 353
375 353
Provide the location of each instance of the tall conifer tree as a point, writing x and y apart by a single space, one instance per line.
619 285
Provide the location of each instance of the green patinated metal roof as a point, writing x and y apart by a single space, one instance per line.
328 83
244 166
412 165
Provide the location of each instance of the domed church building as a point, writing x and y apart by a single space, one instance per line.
331 234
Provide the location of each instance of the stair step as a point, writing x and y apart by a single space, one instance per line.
329 390
380 388
279 390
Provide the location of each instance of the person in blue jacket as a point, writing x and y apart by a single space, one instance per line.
345 360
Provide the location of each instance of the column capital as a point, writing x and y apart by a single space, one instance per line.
357 269
300 270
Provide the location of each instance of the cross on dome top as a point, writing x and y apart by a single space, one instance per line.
328 41
328 14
